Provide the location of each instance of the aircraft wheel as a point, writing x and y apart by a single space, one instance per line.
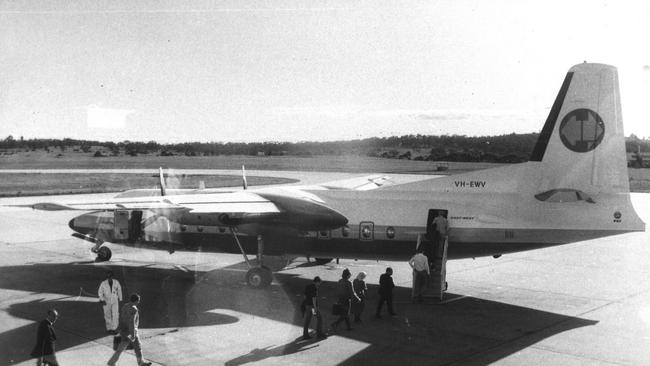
104 254
258 277
322 261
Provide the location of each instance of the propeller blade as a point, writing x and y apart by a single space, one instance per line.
162 182
243 175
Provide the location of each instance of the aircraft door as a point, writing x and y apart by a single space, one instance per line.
121 225
135 226
432 247
432 215
435 249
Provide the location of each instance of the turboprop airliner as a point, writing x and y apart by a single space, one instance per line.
575 187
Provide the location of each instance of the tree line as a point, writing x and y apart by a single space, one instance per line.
510 148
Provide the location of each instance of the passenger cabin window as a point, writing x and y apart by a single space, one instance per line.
564 195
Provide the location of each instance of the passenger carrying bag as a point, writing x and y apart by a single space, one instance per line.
117 340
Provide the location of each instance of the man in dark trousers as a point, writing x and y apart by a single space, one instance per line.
385 292
44 349
311 307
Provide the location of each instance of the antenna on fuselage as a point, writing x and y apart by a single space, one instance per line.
162 182
243 176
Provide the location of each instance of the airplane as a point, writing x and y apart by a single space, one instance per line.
574 187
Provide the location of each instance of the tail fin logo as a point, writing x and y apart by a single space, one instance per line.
582 130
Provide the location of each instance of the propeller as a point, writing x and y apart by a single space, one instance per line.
243 176
163 188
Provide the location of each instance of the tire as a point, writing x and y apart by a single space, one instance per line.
322 261
259 277
104 254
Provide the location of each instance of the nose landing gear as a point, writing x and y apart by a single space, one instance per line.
104 254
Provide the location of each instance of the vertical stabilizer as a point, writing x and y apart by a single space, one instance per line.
582 145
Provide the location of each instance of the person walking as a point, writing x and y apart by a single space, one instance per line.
441 233
386 286
345 294
420 264
312 308
44 350
110 295
360 288
129 322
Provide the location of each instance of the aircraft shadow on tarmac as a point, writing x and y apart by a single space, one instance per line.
259 354
468 331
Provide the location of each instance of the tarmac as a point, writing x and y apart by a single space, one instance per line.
585 303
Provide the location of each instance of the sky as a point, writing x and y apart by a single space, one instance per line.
243 71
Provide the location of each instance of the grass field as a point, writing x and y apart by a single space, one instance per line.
54 183
348 163
36 184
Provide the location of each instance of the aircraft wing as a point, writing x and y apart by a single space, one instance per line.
369 182
247 202
276 207
359 183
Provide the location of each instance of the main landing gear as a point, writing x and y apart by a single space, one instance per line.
258 276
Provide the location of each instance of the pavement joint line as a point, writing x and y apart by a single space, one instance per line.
455 299
580 315
29 220
62 253
547 349
514 340
616 301
19 243
570 265
493 264
486 284
508 341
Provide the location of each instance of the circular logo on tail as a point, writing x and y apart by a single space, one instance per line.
582 130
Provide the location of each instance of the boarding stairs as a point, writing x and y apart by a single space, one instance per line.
437 282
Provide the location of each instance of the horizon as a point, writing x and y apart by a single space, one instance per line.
245 73
264 142
287 142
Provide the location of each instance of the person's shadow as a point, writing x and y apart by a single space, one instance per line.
258 354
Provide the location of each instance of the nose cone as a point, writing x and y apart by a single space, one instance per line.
91 222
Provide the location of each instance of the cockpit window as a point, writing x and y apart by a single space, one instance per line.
564 195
